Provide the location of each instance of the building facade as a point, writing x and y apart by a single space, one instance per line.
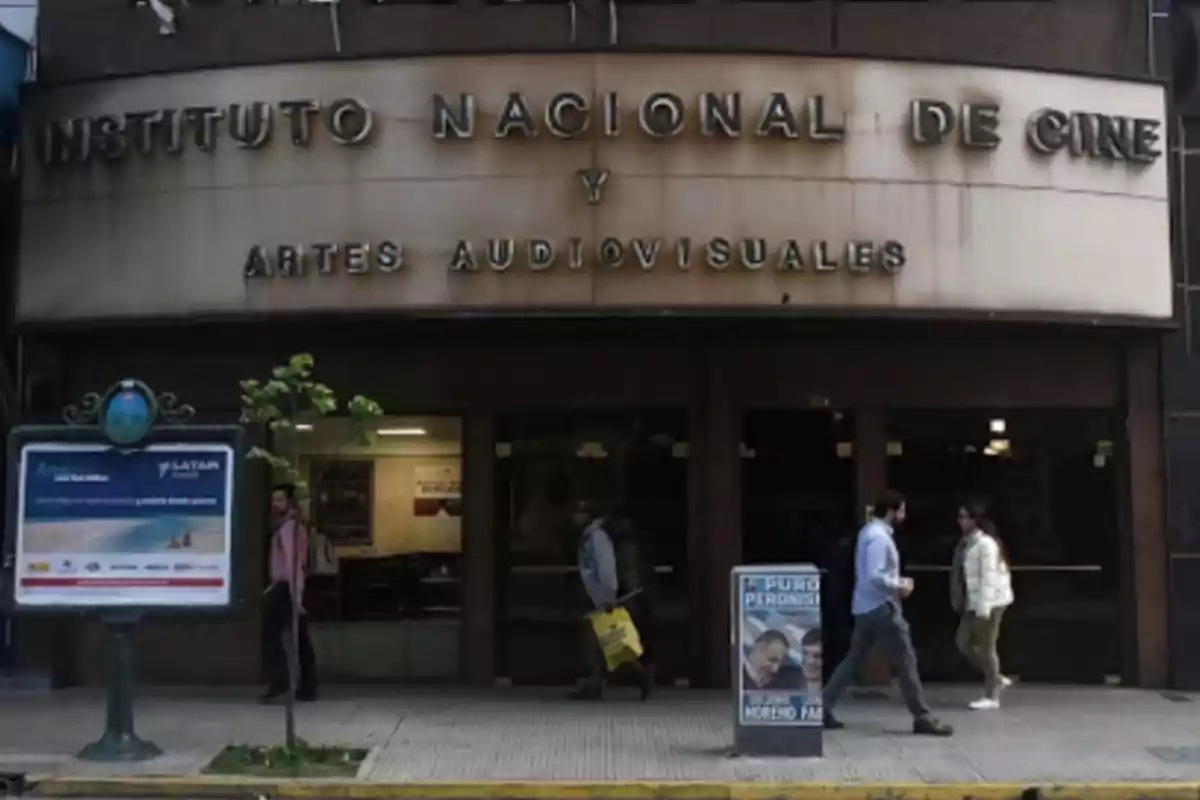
731 267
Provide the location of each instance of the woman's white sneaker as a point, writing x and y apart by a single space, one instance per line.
1005 681
984 704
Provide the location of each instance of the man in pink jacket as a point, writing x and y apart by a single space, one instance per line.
288 563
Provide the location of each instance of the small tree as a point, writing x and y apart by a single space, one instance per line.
289 398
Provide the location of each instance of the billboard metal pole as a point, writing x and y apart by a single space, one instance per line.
120 742
125 414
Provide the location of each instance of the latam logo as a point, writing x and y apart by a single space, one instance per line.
187 468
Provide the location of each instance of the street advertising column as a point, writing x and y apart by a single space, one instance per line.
126 511
777 660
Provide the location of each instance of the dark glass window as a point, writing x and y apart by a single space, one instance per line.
546 463
798 484
1050 479
392 512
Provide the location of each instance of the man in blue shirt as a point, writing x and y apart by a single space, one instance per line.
878 617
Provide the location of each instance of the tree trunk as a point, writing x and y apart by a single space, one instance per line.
293 641
294 575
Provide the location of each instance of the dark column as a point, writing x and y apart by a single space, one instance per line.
477 656
870 456
1183 443
252 546
697 533
1181 402
721 502
1145 532
870 473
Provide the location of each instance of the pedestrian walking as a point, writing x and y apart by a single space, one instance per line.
600 575
981 590
289 554
879 617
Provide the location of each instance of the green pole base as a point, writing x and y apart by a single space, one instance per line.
120 747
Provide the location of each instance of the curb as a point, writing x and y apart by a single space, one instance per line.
301 789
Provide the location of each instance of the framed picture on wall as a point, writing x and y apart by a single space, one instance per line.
342 501
437 492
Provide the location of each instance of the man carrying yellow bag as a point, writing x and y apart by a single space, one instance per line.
610 637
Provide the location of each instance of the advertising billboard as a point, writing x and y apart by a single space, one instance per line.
778 643
104 527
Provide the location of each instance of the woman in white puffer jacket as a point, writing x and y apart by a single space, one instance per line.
981 591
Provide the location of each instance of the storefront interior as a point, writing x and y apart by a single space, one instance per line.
725 445
1050 478
392 511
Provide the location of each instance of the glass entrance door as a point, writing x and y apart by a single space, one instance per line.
546 463
798 505
1049 477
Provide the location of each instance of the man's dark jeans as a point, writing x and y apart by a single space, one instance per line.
277 628
887 626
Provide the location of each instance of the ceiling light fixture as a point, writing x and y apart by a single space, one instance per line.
401 431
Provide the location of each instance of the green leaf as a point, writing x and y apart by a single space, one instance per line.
292 395
263 454
260 453
301 363
364 407
268 412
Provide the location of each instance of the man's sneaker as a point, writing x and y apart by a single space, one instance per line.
273 697
928 726
832 723
586 693
1005 681
985 704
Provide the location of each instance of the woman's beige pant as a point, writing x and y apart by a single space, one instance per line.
976 639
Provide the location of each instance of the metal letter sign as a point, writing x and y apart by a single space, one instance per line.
126 510
777 660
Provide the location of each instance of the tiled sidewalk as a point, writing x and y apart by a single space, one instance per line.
1042 735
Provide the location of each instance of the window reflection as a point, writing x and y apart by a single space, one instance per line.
385 563
798 483
548 462
1049 478
798 500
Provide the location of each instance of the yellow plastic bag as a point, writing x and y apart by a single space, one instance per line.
617 635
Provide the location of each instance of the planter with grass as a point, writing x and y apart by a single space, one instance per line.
279 761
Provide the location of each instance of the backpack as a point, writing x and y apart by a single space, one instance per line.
322 557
